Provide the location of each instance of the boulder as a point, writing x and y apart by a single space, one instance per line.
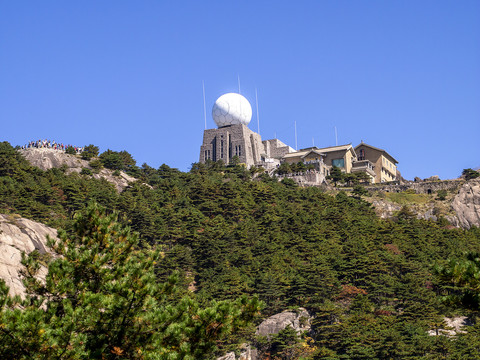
299 320
229 356
467 204
433 178
454 326
19 235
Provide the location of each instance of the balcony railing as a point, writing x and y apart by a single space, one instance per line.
364 165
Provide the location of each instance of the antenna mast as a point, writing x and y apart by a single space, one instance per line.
336 137
238 76
296 147
258 118
204 106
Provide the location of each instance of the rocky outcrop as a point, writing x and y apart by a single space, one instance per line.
19 235
454 326
299 320
385 209
229 356
467 204
45 159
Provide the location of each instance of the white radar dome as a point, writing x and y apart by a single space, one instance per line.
231 109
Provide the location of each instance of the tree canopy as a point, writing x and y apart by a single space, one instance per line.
368 282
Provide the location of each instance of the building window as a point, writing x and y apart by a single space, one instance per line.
361 155
338 163
239 150
221 148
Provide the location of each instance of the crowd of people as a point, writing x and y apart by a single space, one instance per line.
51 144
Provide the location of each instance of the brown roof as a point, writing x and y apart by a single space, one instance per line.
321 151
378 149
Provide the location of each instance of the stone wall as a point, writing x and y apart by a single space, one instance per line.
424 187
308 178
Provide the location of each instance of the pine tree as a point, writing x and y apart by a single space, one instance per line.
101 300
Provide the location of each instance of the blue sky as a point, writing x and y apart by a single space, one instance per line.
127 75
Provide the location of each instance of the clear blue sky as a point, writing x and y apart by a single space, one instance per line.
127 75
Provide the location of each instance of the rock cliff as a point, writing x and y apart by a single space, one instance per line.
19 235
467 204
45 159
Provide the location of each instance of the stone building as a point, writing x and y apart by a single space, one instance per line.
233 139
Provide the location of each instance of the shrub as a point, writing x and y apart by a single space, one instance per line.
96 165
469 174
89 152
441 194
86 171
70 150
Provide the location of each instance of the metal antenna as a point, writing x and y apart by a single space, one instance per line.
336 137
258 118
238 76
296 147
313 142
204 106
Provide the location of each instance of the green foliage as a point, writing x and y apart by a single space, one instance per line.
86 171
336 175
469 174
359 190
404 198
96 164
367 281
70 150
462 280
117 160
89 152
283 345
442 194
101 300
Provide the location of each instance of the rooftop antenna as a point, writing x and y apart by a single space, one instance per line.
258 118
336 137
296 147
313 142
275 135
204 106
238 76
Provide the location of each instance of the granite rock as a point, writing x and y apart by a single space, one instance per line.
299 320
19 235
45 158
467 204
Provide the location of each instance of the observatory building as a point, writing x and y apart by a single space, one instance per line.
232 114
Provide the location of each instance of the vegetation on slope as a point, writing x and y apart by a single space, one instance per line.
368 282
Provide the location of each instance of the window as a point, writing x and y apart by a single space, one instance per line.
338 163
221 148
361 155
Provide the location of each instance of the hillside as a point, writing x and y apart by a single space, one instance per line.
368 282
46 159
